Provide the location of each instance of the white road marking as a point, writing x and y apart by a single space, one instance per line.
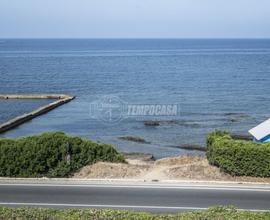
198 187
116 206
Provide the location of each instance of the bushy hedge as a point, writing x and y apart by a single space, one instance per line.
218 213
238 157
51 155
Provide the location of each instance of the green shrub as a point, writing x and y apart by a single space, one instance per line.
218 213
238 157
47 155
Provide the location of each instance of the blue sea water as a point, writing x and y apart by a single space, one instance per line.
11 108
217 84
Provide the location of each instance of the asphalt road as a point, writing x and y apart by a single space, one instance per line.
136 196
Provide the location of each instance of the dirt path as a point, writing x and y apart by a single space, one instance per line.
174 168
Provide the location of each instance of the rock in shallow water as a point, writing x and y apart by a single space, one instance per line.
190 147
134 139
151 123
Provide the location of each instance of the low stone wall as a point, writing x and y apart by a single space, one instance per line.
61 99
35 96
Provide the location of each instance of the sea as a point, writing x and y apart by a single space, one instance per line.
216 84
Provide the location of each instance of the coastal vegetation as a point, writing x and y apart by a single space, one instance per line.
51 155
101 214
238 157
55 154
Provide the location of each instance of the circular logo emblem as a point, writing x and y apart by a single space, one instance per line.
109 109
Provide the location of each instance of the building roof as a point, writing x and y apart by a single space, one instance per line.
261 131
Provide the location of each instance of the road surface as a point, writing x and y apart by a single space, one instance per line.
155 198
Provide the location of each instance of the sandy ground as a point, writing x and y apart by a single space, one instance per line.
173 168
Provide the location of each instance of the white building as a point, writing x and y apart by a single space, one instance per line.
261 133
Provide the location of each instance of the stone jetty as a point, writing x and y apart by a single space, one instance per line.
60 99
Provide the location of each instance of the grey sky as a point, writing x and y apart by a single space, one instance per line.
135 18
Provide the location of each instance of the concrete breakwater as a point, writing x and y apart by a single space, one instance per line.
60 100
35 96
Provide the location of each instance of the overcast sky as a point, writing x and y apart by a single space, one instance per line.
135 18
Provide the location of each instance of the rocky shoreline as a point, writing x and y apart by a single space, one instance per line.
188 147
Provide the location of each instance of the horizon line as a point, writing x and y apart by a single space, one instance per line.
135 38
